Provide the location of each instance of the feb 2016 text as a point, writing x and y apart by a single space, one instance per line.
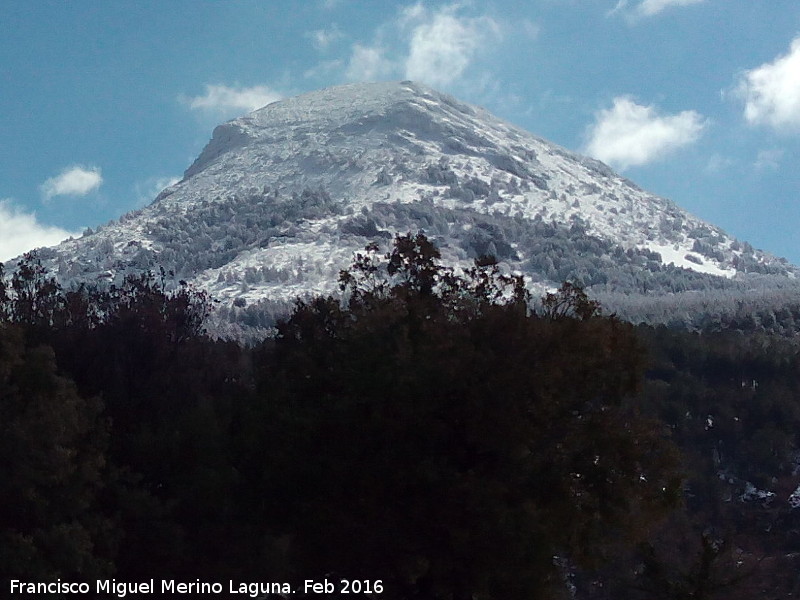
121 589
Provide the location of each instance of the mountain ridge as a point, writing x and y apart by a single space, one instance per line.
280 199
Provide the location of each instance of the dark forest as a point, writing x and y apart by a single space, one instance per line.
438 431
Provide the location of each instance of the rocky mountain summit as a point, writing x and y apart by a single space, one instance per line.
279 200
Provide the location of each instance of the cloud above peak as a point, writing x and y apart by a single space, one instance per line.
630 134
771 92
442 44
73 181
231 101
368 63
433 46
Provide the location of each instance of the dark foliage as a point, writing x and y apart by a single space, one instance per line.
51 464
434 432
430 429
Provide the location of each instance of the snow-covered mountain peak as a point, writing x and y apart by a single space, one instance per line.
321 110
280 199
388 105
337 114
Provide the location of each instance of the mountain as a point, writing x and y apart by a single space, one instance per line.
279 200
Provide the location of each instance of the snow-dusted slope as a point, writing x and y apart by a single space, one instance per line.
279 200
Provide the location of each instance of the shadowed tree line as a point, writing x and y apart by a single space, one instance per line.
429 429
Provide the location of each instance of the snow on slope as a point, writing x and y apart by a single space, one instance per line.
280 199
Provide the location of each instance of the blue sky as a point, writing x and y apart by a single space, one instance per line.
104 103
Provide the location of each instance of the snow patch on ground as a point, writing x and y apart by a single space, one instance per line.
676 255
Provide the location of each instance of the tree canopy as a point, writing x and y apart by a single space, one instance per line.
440 434
430 427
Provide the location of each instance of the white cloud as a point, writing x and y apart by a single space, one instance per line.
324 69
415 12
368 63
323 38
232 101
432 46
620 6
648 8
73 181
21 232
443 44
768 160
771 92
630 134
718 163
